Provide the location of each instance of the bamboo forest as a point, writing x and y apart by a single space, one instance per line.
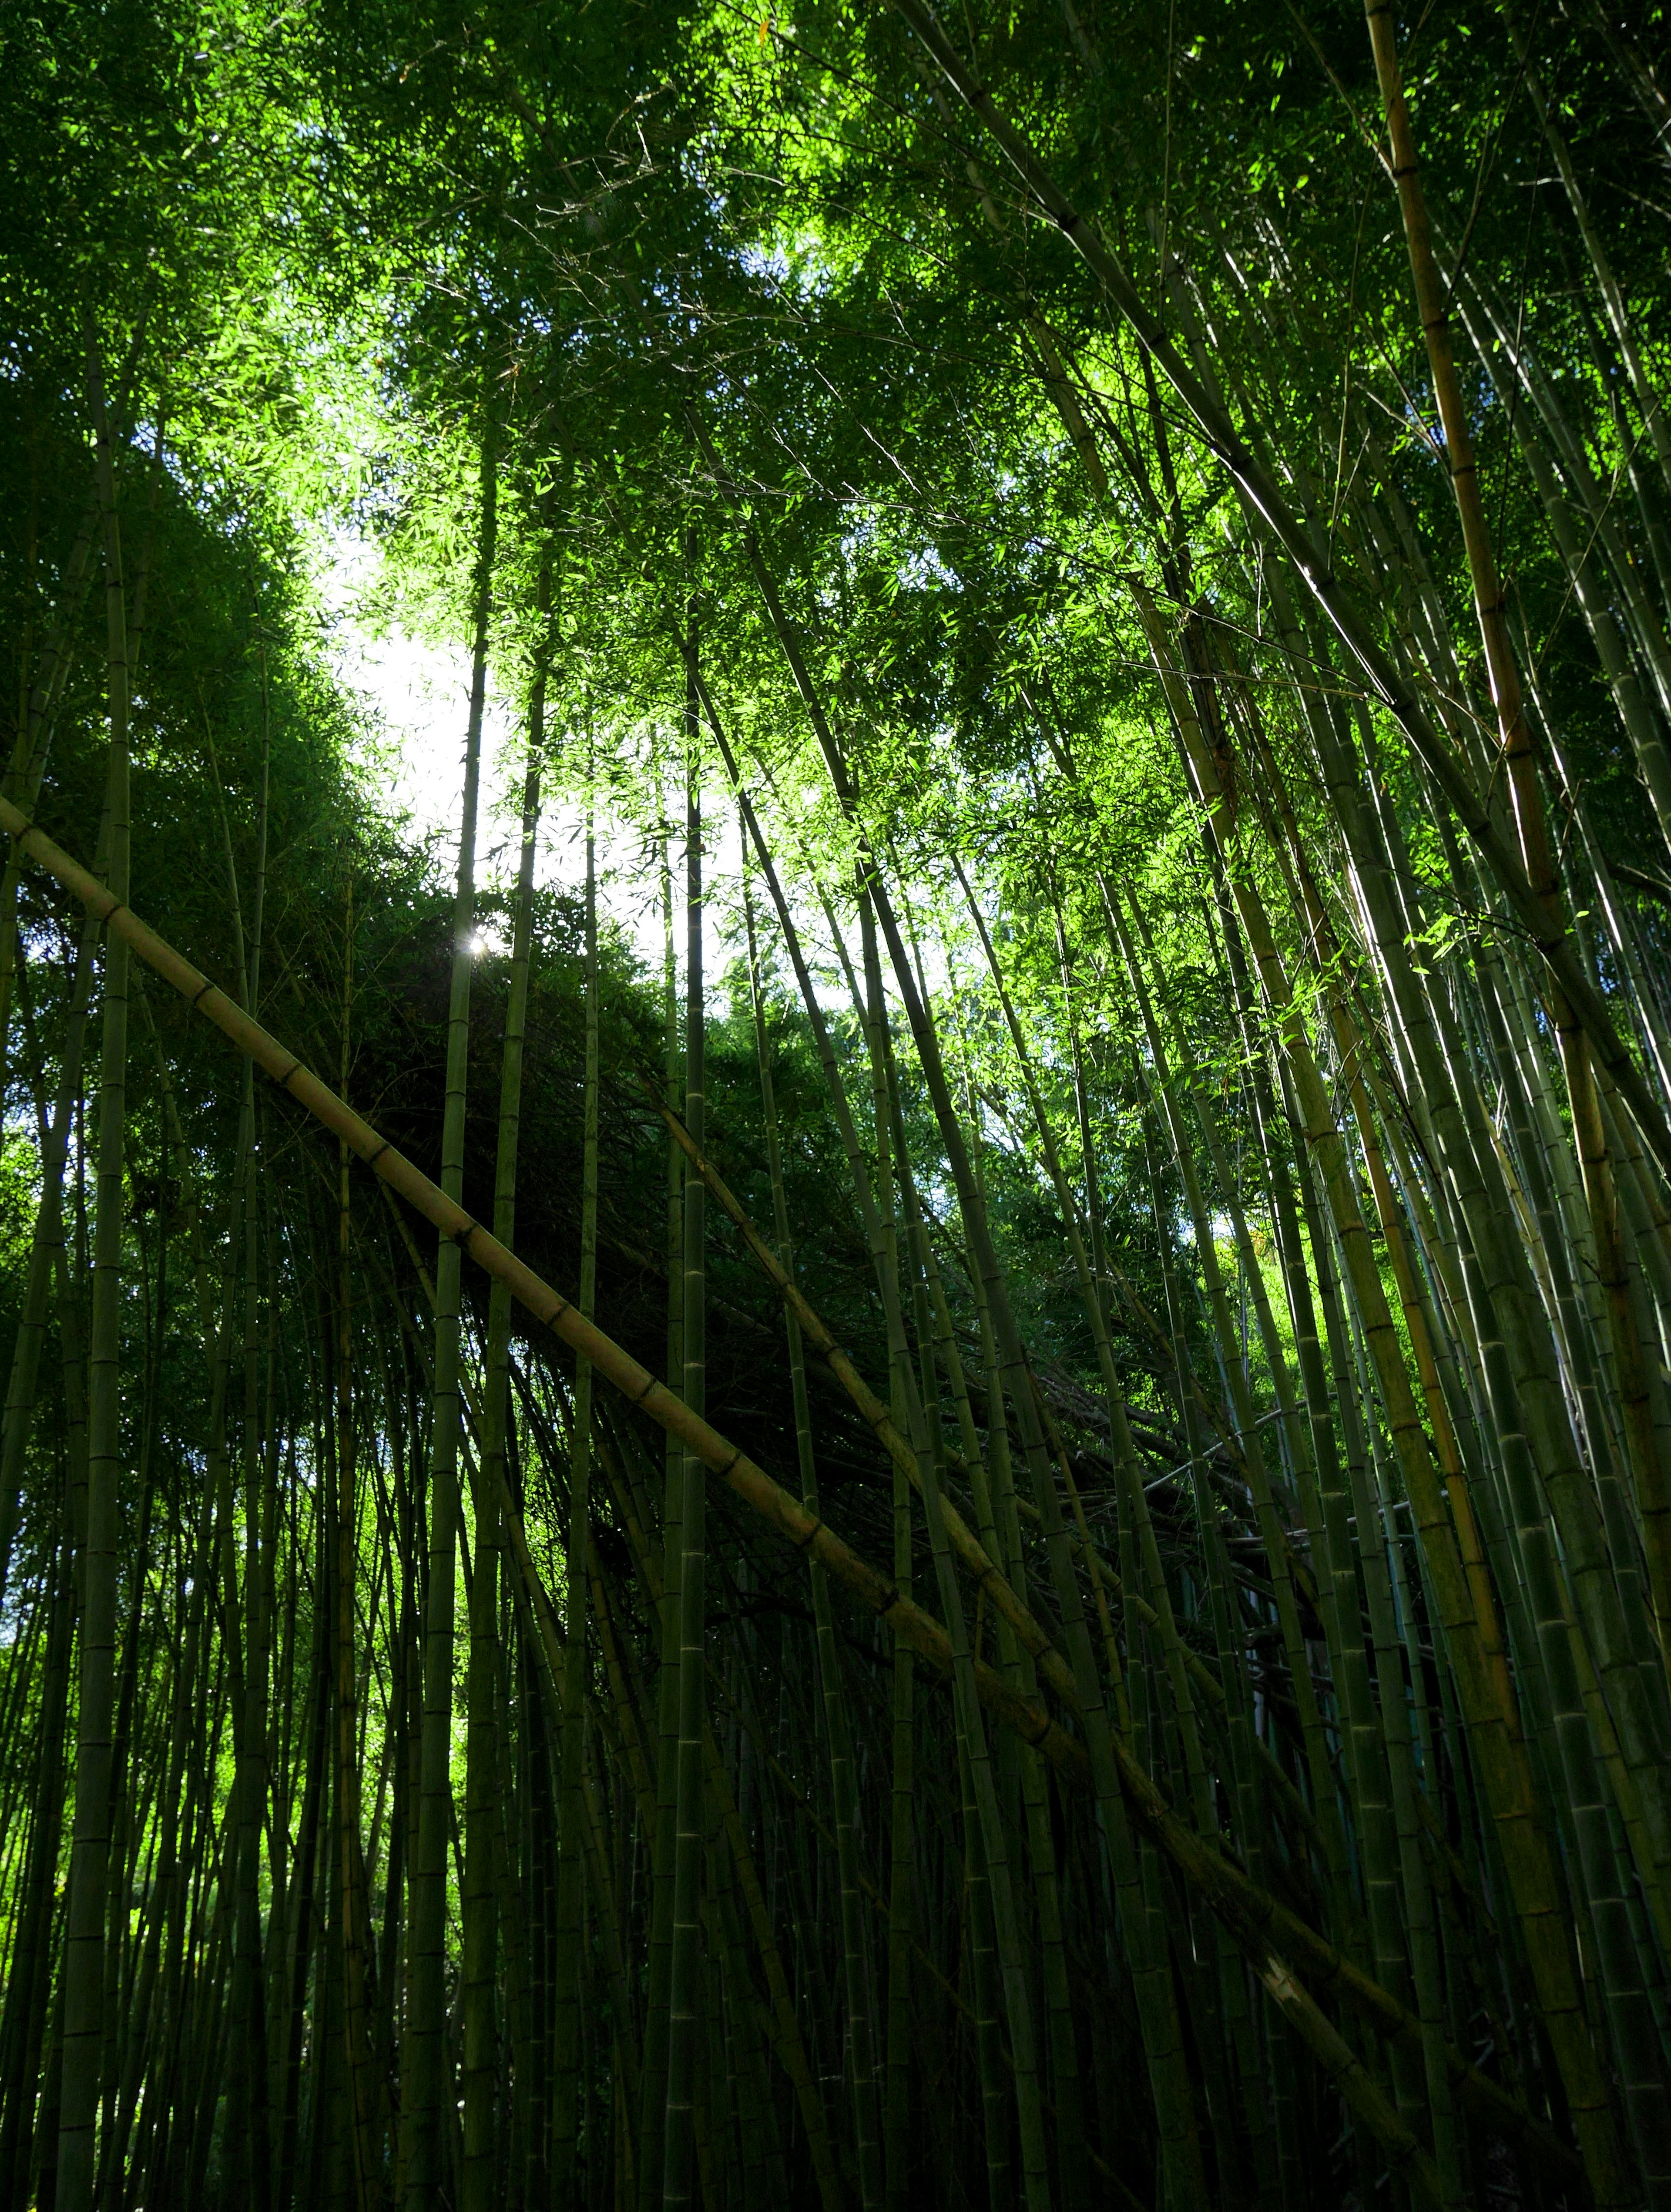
855 1390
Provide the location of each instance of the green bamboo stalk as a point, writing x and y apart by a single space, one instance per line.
481 2070
29 1969
576 1664
684 1965
861 2065
253 1770
83 1995
896 2101
346 1801
986 1993
426 2103
652 2112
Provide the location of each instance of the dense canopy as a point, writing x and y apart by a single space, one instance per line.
906 1440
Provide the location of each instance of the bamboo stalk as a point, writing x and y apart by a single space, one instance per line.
478 2176
682 1992
426 2101
83 2025
571 1994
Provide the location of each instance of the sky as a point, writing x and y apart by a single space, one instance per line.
420 695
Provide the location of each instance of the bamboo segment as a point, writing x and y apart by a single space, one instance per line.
484 1690
83 1998
682 1994
426 2063
652 2119
571 1856
350 1873
837 1717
